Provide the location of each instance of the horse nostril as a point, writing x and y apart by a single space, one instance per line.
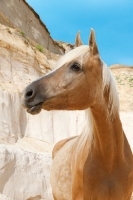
29 94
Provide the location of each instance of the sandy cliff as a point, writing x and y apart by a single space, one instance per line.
18 14
124 80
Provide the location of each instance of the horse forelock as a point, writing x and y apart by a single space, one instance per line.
109 84
76 53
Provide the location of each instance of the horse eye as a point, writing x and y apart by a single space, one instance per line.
75 67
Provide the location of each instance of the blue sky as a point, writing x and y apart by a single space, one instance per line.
112 21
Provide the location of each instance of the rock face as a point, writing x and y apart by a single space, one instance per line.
26 141
24 174
19 14
3 197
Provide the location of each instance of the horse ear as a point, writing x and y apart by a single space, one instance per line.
78 41
92 43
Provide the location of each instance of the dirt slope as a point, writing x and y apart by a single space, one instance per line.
124 80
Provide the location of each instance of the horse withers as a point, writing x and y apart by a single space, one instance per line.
98 164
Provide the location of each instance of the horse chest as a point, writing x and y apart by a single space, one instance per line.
102 185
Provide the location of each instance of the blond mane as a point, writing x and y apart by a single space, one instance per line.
110 86
113 107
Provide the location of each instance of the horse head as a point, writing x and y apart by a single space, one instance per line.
73 85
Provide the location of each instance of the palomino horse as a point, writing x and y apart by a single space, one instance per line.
98 164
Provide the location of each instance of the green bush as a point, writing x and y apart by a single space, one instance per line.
131 79
22 33
40 48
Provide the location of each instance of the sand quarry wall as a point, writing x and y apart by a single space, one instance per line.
17 13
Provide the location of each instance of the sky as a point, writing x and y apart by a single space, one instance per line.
112 21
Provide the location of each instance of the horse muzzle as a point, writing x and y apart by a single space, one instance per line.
31 101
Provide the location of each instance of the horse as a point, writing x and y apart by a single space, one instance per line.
97 164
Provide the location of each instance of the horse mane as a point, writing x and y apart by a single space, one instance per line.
110 87
108 84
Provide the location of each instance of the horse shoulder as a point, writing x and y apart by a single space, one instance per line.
59 145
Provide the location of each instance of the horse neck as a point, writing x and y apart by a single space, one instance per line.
108 134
